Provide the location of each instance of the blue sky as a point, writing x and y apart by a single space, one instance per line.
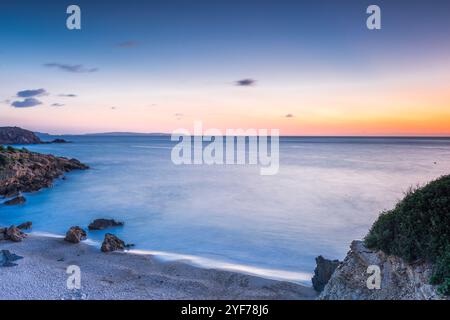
159 65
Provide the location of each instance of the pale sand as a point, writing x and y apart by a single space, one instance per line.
41 274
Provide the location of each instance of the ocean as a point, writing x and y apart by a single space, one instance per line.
328 191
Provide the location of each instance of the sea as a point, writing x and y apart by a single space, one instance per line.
328 191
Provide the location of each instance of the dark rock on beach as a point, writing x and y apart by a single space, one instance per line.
24 171
75 235
15 135
101 224
15 201
14 234
7 258
113 243
323 272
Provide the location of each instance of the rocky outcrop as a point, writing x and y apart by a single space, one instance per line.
113 243
24 171
16 135
323 272
101 224
399 280
75 235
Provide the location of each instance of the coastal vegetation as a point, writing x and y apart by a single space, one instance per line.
418 228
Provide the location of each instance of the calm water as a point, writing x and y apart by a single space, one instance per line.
328 192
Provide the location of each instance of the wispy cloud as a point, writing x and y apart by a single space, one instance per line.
57 105
31 93
178 116
26 103
128 44
245 82
76 68
67 95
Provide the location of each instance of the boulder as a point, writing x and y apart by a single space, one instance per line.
25 226
112 243
323 272
14 234
75 235
101 224
16 201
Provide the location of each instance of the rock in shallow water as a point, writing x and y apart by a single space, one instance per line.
15 201
323 272
75 235
113 243
101 224
25 226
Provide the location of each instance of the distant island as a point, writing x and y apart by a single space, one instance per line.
125 134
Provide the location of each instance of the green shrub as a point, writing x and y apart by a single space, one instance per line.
418 228
2 148
10 149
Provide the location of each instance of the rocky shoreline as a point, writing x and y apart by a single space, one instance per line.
25 171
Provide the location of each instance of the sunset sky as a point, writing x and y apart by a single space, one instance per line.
304 67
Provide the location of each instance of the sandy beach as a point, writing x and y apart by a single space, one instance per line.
41 274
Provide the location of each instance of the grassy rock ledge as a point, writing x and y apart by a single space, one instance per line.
25 171
410 244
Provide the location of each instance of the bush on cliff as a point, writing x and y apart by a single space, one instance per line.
419 228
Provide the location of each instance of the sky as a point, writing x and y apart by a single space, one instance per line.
304 67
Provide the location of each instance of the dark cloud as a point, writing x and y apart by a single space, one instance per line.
245 82
31 93
128 44
76 68
289 115
113 108
57 105
26 103
68 95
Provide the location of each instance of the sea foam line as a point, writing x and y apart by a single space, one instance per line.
206 263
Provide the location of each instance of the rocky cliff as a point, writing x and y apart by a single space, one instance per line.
399 280
24 171
15 135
